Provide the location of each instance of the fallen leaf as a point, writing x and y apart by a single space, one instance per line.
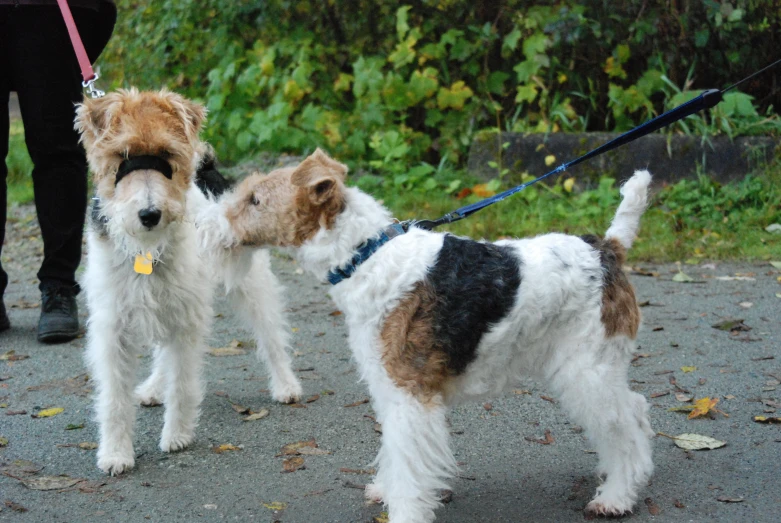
726 499
309 451
735 278
276 505
240 408
312 399
548 398
219 449
683 397
660 394
72 426
20 467
294 449
690 441
16 507
3 441
232 349
11 355
355 404
776 264
382 518
15 412
520 392
682 277
488 406
767 419
335 313
358 471
688 369
50 482
257 415
653 508
88 445
678 504
48 413
546 441
292 464
745 305
732 325
702 407
681 408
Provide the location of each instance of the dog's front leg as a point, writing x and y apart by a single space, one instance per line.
257 299
152 390
113 360
415 460
182 359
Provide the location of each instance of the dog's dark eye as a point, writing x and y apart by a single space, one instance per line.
254 200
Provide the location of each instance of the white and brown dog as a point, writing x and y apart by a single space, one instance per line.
147 281
435 319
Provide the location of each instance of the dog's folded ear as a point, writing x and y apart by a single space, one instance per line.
321 175
93 116
191 113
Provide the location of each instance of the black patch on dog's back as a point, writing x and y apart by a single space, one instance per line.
475 285
209 180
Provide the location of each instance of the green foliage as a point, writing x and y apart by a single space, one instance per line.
20 166
389 86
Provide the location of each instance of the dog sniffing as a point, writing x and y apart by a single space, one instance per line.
148 283
435 320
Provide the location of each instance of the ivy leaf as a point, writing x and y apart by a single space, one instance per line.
510 41
455 96
402 15
526 93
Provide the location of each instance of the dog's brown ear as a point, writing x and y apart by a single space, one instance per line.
93 116
321 175
191 113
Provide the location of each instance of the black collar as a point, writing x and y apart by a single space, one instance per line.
137 163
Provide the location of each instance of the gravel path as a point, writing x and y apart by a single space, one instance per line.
505 477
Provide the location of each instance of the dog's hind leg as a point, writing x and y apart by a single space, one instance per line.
152 390
113 361
415 459
182 359
595 393
257 299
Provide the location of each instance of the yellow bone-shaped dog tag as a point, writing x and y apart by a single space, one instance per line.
143 263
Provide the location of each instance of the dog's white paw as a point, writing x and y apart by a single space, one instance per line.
289 392
116 464
174 441
148 395
602 507
373 493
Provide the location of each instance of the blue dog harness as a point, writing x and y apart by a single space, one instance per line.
365 251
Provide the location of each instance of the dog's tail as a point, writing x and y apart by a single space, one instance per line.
208 179
634 200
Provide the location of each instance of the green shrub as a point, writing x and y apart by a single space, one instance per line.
389 87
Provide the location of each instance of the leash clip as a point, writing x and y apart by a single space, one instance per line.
92 91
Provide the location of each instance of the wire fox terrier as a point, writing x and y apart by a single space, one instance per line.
435 319
147 281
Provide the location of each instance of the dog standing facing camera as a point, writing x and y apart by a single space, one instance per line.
435 320
147 281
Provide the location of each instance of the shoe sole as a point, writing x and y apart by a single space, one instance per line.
53 337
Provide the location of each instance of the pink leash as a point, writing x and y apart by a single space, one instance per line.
87 73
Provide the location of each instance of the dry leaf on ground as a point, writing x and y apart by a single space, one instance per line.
3 441
48 413
356 403
50 482
358 471
16 507
219 449
11 355
688 369
727 499
276 505
732 325
257 415
690 441
294 449
546 441
704 406
767 419
292 464
653 508
234 348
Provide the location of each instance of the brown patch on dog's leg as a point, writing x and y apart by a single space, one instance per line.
410 352
620 313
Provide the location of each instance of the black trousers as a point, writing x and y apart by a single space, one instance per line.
38 62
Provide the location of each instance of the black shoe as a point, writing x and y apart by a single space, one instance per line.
5 323
59 315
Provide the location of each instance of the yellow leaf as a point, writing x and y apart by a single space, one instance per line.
702 407
550 160
224 448
562 78
382 518
688 369
569 183
276 505
48 413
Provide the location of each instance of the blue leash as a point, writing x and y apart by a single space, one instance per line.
706 100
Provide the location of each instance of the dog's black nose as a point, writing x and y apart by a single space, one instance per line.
149 217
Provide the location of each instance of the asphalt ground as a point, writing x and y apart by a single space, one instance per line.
507 474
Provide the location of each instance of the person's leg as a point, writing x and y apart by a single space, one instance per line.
47 79
4 90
